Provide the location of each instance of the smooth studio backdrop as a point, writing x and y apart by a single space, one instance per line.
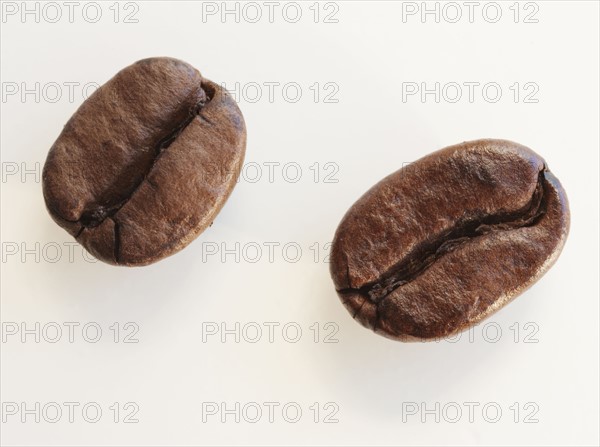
241 338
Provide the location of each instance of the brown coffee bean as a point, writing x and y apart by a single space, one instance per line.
441 244
146 163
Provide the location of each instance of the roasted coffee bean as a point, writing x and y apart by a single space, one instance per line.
441 244
146 163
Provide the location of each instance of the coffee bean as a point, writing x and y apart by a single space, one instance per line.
441 244
146 163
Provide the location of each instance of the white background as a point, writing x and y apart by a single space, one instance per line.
371 383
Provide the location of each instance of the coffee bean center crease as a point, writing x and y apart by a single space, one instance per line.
95 216
423 256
